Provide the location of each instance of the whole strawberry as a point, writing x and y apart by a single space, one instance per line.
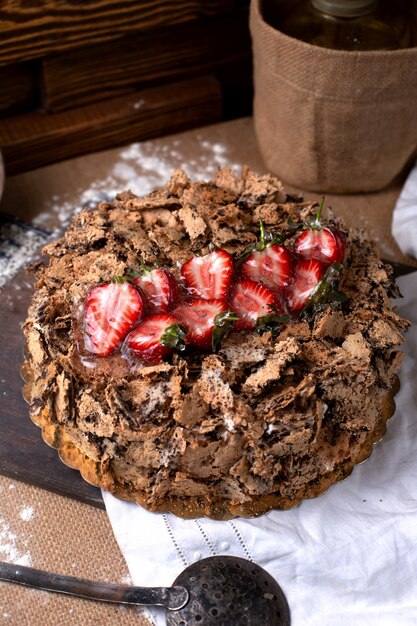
206 321
209 276
270 263
323 243
111 310
155 338
159 287
251 301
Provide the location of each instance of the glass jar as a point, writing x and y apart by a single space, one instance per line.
342 24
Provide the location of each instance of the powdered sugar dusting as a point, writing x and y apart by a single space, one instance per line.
27 513
61 211
140 167
9 551
18 243
126 580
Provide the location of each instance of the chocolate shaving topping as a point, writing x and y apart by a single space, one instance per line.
265 414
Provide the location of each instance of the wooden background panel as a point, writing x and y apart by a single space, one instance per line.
33 29
143 59
237 88
36 139
19 88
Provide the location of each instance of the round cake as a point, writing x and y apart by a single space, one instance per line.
214 348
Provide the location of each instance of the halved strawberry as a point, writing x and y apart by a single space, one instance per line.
208 276
206 321
341 240
111 309
250 301
160 288
326 245
270 266
155 338
307 274
320 242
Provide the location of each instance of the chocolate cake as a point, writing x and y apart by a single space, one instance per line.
261 408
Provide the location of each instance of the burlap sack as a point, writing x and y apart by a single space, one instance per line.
331 120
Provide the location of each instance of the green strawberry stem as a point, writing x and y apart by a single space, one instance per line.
173 337
262 244
316 223
143 268
120 279
318 215
265 239
223 323
146 269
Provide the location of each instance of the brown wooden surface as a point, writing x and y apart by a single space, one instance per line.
23 454
36 139
19 88
172 53
34 29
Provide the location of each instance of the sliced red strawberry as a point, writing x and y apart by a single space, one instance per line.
155 338
208 276
250 301
307 274
160 288
111 310
341 240
326 245
270 266
206 321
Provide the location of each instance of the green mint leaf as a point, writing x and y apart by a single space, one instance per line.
223 323
325 292
339 296
241 258
271 323
173 337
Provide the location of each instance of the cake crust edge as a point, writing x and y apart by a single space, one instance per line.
99 475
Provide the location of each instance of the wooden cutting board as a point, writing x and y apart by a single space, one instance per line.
23 453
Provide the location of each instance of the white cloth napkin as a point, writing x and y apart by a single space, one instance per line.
346 558
404 217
